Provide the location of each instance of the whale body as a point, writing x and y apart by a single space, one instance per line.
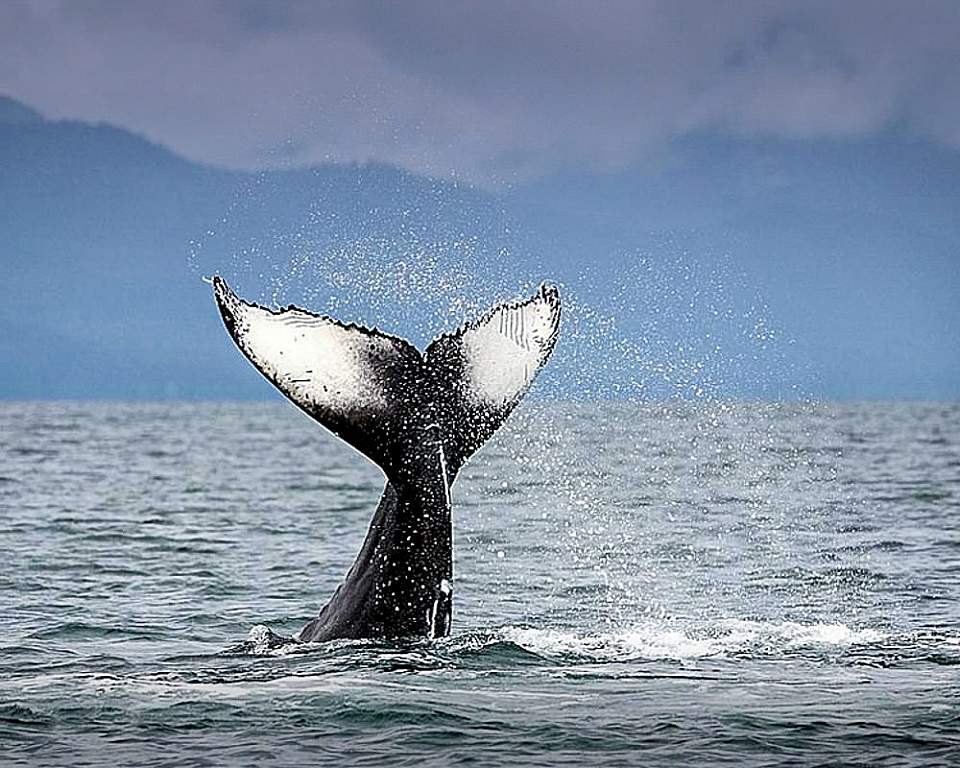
418 416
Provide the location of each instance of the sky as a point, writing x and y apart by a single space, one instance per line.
491 92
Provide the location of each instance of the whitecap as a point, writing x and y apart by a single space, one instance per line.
679 641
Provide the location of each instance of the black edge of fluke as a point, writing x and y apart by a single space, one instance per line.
227 300
547 292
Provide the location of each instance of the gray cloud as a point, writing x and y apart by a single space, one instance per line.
492 91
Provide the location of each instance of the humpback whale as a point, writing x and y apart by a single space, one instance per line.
418 416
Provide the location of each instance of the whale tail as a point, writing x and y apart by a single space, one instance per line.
379 393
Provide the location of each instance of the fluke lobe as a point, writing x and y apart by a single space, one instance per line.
418 416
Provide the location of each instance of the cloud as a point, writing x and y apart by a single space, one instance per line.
494 91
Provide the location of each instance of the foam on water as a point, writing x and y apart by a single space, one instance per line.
664 641
732 638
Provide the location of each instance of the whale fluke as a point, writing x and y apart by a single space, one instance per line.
370 388
351 379
487 366
419 416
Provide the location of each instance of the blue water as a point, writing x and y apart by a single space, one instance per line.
635 585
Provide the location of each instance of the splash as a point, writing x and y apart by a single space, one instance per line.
725 638
699 394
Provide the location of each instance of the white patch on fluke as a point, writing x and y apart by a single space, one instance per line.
316 361
504 350
446 479
445 590
432 619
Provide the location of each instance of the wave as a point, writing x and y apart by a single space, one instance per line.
654 640
664 641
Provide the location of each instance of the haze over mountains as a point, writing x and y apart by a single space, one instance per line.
853 245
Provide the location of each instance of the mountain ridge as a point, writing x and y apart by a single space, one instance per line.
105 236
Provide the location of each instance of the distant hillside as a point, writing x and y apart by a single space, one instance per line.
854 247
101 296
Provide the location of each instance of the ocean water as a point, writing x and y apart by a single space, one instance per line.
715 583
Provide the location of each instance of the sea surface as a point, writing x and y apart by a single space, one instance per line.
635 584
